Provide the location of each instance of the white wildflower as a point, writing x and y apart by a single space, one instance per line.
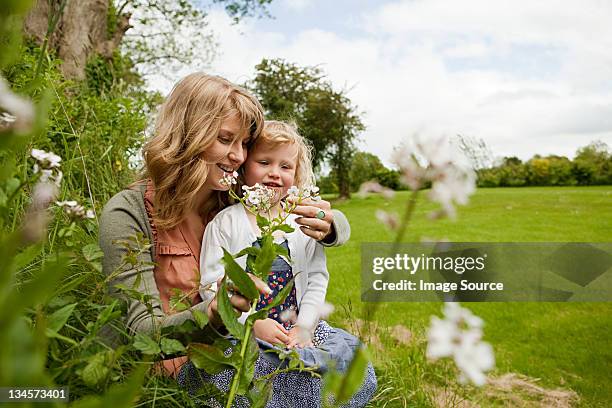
18 112
46 160
74 210
228 179
437 161
311 192
47 164
293 191
459 336
259 197
6 117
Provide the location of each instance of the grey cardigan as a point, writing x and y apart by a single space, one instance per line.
124 216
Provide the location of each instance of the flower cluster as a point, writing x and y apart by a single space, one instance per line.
437 161
75 211
459 336
47 164
228 179
259 197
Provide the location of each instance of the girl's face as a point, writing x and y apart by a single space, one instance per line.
272 165
226 154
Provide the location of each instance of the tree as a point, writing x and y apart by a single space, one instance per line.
154 33
593 164
326 117
364 167
476 150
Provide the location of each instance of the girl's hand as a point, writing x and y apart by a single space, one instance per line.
314 223
299 337
239 302
271 331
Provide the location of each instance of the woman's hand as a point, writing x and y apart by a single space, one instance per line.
316 218
299 337
271 331
238 302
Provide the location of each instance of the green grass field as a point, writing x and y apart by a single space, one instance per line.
564 345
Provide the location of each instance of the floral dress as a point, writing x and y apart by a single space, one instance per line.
291 389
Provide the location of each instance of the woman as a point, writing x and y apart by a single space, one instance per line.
204 130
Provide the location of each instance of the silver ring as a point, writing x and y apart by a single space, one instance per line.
321 214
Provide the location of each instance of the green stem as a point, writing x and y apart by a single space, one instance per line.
52 21
405 220
243 349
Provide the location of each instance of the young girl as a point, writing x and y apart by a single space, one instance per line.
280 159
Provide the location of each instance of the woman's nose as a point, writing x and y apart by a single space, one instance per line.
237 153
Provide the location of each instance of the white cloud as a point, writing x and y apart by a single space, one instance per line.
297 5
528 78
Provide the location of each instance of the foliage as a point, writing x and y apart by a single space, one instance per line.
169 36
326 117
591 166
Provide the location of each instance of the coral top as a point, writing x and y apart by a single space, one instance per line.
177 266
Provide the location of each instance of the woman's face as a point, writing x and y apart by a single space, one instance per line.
226 154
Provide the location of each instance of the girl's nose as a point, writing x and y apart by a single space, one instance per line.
274 173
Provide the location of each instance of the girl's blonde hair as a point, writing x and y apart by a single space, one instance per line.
188 123
276 133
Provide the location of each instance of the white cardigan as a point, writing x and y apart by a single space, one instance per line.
231 229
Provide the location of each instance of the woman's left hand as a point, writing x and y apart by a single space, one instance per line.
316 218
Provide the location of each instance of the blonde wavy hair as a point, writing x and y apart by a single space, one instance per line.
188 124
277 133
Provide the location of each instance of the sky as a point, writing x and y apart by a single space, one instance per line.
527 77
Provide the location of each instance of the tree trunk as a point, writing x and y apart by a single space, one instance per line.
80 32
342 169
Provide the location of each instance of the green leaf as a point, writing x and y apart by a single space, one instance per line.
211 358
283 227
282 251
119 395
353 377
58 319
51 334
248 251
226 311
209 390
248 369
260 394
200 318
240 278
258 315
96 370
12 185
277 300
145 344
262 222
177 300
265 258
26 257
171 346
92 252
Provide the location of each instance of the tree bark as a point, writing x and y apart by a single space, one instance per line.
81 31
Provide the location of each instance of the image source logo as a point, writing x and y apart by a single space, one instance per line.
471 271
